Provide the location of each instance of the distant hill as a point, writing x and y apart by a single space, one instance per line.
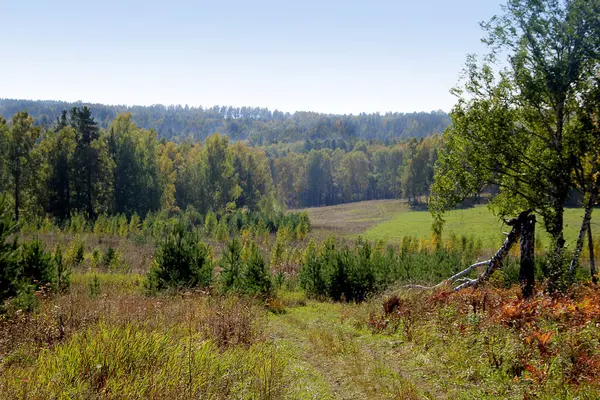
259 125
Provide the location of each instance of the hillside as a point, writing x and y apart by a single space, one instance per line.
259 125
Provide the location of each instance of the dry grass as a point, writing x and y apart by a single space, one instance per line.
121 343
352 218
136 257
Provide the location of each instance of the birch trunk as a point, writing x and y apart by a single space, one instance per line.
592 261
587 217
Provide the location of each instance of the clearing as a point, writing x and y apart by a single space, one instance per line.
391 220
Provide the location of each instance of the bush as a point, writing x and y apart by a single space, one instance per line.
312 276
9 267
231 266
222 231
26 268
75 253
352 274
210 223
36 265
257 277
108 257
181 261
244 270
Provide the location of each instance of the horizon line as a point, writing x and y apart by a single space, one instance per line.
222 105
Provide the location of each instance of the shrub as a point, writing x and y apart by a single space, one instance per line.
210 223
94 287
108 257
343 273
63 272
181 261
231 266
222 231
75 253
26 268
257 277
244 270
8 253
303 226
312 276
36 265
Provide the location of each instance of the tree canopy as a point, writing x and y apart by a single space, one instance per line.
518 122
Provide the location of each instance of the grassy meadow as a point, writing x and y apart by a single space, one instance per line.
108 337
391 220
105 339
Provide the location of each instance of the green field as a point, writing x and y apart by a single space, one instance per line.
478 222
399 221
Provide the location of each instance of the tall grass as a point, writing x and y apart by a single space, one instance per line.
133 362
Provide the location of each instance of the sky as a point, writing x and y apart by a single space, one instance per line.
327 56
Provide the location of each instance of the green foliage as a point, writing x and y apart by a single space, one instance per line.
96 258
9 266
88 173
557 271
341 272
244 270
232 266
108 257
181 261
303 226
312 276
75 253
279 248
222 231
22 138
129 361
94 287
522 129
63 272
25 268
261 125
37 266
135 182
257 277
211 223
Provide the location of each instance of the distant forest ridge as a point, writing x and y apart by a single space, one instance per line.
258 125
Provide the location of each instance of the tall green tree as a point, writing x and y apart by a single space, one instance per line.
136 187
22 138
515 122
220 180
355 170
4 145
58 148
92 166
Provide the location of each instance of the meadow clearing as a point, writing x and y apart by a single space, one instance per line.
391 220
107 337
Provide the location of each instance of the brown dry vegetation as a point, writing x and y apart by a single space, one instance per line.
352 218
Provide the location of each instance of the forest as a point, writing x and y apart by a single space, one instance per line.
257 125
75 166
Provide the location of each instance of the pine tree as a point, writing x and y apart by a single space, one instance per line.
23 135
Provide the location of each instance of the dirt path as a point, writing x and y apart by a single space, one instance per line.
352 363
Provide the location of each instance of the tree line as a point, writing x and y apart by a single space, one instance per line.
328 176
77 167
258 125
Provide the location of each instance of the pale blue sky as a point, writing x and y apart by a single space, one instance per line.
327 56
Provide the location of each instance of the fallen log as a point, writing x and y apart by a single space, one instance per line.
494 263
